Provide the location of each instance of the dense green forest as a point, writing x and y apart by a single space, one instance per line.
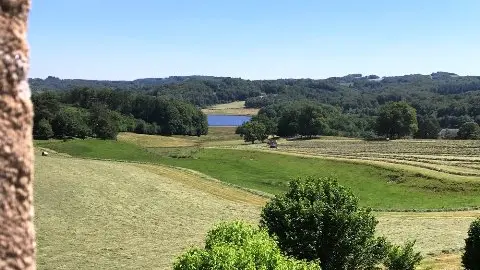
102 113
350 104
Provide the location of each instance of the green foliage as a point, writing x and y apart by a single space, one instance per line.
269 123
469 131
403 258
46 106
103 121
428 127
471 257
252 131
311 121
451 98
236 245
318 219
161 115
70 122
307 118
43 130
397 120
141 127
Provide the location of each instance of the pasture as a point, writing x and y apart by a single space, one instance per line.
380 187
174 171
110 215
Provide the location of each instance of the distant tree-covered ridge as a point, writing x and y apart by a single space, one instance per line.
441 99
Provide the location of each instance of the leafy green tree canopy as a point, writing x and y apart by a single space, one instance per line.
236 245
471 257
103 122
397 120
252 131
469 131
428 127
44 130
318 219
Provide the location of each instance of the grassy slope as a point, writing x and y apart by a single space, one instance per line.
107 215
270 173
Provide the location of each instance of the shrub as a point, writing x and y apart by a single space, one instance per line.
402 258
471 257
318 219
236 245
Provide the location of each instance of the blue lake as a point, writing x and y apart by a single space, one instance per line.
227 120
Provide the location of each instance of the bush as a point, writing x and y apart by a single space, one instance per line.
402 258
236 245
471 257
318 219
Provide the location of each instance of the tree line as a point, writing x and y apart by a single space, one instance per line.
103 113
307 119
451 99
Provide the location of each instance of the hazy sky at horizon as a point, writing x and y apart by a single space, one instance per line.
252 39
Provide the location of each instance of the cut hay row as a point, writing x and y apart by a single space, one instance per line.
427 157
435 167
434 174
436 148
454 166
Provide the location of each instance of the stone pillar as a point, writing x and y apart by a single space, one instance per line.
17 235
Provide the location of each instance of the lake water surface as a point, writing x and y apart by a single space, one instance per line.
227 120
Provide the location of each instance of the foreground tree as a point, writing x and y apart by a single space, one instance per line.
17 230
471 257
318 219
236 245
397 120
469 131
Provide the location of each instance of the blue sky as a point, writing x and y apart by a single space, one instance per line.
252 39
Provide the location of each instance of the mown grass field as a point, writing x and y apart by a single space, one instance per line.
116 215
379 182
234 108
92 214
376 187
441 159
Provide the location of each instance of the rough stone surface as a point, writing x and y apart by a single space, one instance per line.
17 235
